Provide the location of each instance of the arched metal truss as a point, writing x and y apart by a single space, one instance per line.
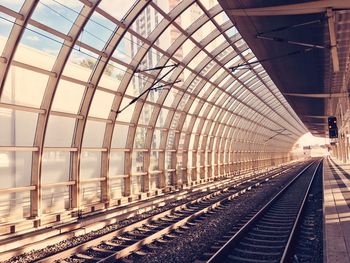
68 67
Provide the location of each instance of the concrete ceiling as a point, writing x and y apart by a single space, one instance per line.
295 68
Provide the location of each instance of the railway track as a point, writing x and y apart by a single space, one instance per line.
268 236
158 228
94 227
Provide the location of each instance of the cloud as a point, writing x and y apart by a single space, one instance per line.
68 3
32 38
50 51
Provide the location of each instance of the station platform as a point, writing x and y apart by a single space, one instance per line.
336 211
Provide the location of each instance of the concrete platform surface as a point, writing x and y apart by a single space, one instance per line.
336 211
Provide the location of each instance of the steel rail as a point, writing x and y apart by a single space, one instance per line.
154 236
289 244
222 253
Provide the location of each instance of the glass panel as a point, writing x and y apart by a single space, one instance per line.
204 31
93 135
146 21
133 44
90 193
14 206
55 167
136 86
154 161
185 48
116 8
97 23
190 160
112 76
136 184
167 6
168 37
57 15
22 90
127 113
209 3
116 163
171 139
38 44
154 181
197 59
146 114
59 132
140 137
194 106
204 89
116 187
221 18
15 5
68 97
80 64
125 49
55 199
120 134
157 136
17 127
190 15
90 165
180 176
215 43
168 159
169 178
170 98
15 169
101 104
162 117
137 162
6 23
232 32
182 140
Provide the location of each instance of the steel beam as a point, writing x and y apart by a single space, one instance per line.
333 39
293 9
319 95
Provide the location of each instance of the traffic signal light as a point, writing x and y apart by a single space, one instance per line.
332 122
332 127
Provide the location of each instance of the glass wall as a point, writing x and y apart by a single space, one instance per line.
108 101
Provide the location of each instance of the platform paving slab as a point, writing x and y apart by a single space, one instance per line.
336 211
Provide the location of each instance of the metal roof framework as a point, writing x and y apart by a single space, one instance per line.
213 123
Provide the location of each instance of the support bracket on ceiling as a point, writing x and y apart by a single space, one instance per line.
333 40
263 35
326 6
278 39
315 116
249 64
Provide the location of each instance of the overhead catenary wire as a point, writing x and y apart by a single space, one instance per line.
317 21
152 87
271 58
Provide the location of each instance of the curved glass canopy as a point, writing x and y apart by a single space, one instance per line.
104 100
